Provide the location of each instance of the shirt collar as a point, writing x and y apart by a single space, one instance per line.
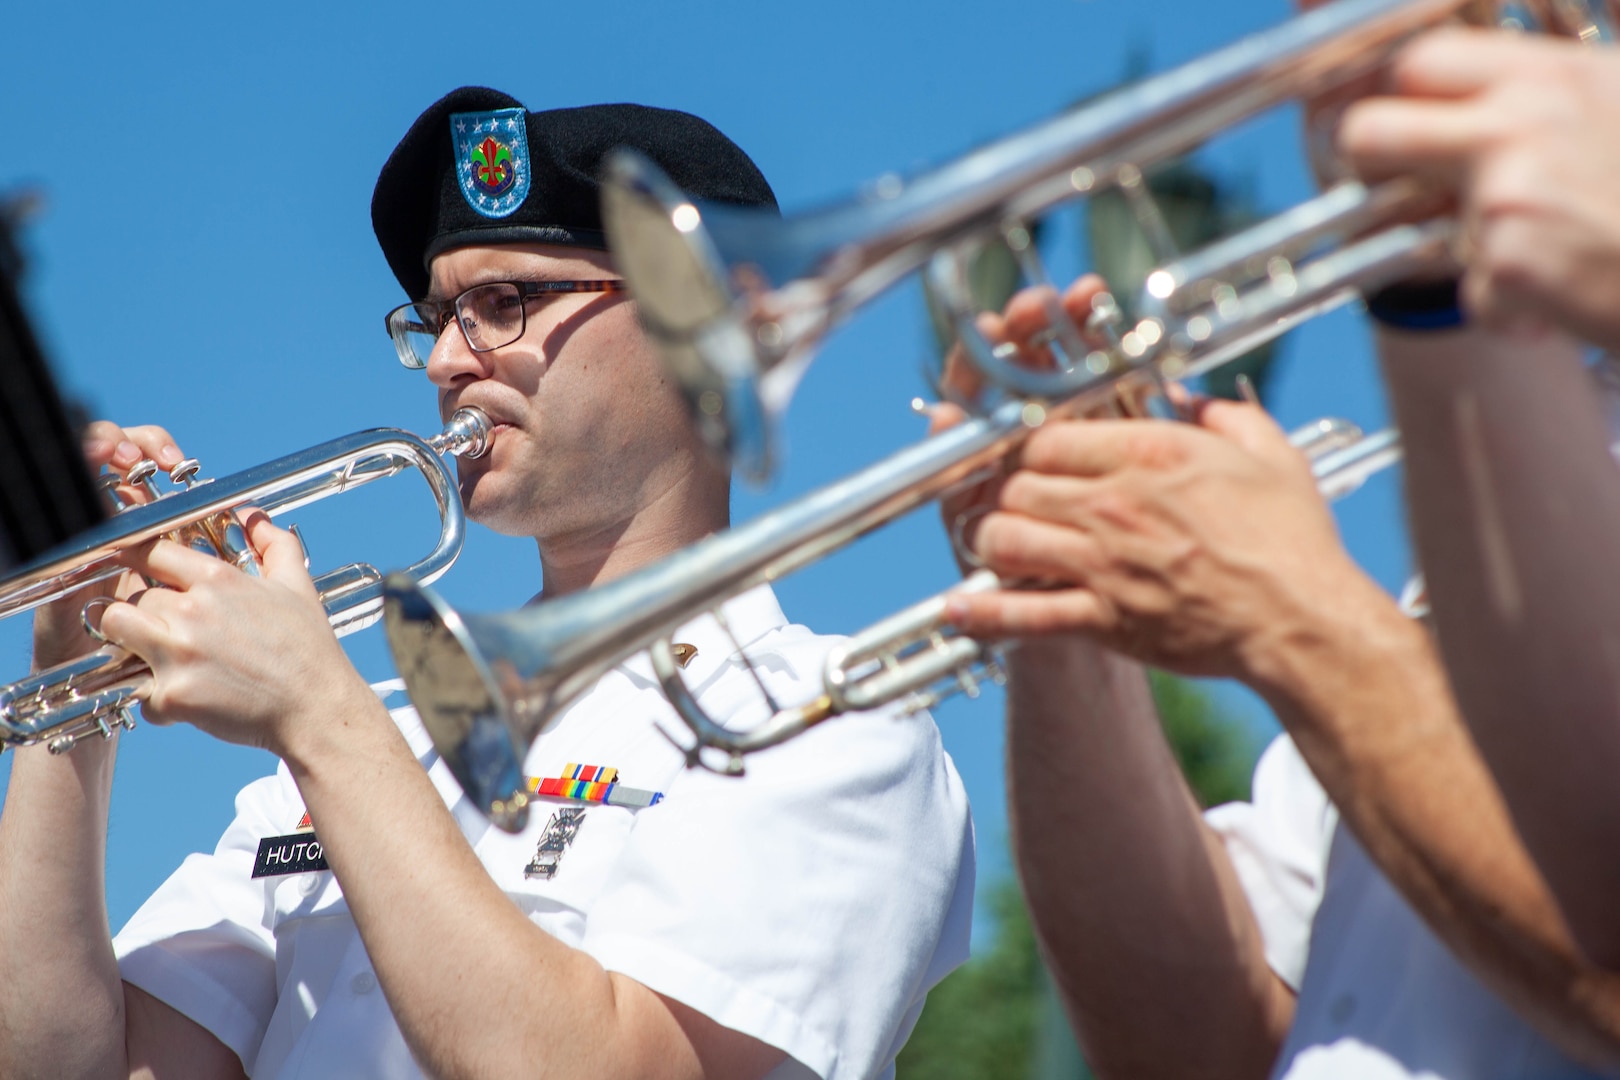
750 615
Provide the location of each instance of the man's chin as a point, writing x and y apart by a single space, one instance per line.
501 515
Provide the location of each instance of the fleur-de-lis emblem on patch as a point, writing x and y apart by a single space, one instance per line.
492 166
492 160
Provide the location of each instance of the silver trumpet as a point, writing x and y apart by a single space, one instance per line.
917 658
739 299
486 685
93 693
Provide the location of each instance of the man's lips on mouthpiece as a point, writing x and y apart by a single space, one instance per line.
497 424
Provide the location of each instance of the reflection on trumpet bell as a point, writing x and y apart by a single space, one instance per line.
92 694
462 673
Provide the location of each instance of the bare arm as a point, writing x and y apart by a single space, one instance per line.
1513 499
453 953
1138 910
477 989
1136 905
1369 706
1515 506
53 934
68 1014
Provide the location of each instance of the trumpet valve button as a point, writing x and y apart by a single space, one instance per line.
140 475
185 472
109 484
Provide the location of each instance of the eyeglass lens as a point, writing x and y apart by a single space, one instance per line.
491 316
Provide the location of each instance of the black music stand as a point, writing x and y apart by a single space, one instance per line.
46 493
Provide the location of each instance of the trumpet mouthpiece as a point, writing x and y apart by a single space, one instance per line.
466 435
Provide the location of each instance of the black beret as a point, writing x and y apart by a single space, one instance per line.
478 168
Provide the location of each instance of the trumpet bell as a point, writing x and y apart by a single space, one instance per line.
690 306
440 655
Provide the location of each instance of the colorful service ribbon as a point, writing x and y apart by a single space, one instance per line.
593 784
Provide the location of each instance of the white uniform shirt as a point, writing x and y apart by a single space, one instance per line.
1380 997
811 904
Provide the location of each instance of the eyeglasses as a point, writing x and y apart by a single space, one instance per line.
490 315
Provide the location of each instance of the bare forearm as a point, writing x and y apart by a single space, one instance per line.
1146 929
1371 712
63 1015
1515 505
442 935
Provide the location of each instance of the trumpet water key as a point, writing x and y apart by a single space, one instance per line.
92 694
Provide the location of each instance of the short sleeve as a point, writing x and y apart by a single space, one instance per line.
1279 844
810 904
201 943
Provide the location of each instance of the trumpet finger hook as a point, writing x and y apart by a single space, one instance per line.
93 627
959 525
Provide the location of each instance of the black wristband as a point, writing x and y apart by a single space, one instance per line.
1430 305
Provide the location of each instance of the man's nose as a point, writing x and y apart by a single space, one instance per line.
452 358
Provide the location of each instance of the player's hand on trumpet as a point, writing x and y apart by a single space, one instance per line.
1026 324
232 653
248 659
1198 547
1525 130
59 633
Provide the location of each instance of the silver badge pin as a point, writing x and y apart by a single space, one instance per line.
558 834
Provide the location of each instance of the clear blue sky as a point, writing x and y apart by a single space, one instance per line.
206 261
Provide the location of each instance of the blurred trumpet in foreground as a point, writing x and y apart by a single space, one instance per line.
740 299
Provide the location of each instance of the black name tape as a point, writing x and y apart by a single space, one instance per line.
297 853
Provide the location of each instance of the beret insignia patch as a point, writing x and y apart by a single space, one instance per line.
492 159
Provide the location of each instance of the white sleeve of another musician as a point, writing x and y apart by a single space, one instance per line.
1279 842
